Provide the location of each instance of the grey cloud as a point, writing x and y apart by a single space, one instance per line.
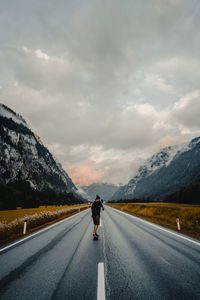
186 111
83 73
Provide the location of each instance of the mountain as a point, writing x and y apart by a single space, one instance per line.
189 194
164 173
24 158
104 190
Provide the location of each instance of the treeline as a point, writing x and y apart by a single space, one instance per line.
186 195
134 200
20 194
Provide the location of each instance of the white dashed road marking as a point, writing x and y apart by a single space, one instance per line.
101 282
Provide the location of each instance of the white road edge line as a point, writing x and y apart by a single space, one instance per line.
37 232
101 282
159 227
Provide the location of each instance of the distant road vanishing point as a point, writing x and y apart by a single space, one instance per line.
133 259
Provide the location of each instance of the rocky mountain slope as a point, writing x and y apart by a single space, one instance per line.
24 157
164 173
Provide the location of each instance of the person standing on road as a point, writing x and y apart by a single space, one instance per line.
96 209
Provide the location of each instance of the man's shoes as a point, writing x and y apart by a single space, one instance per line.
96 234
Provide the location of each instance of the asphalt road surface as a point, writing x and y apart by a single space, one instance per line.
133 259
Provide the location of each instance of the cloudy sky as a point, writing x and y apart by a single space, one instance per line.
104 83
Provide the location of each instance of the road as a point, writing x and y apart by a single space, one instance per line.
133 259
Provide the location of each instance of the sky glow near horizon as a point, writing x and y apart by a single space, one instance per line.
105 84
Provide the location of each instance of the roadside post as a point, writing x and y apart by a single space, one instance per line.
25 227
178 223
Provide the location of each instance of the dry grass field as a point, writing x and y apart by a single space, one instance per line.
12 221
165 214
10 215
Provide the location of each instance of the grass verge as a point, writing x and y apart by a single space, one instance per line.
38 218
165 214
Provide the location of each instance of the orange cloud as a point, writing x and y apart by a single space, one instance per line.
85 174
169 141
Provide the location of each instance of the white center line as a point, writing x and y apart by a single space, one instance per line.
101 282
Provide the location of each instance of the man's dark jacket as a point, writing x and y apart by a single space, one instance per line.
96 208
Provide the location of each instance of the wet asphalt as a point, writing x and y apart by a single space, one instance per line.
141 261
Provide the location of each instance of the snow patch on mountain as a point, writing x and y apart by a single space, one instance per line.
170 168
153 164
10 114
24 157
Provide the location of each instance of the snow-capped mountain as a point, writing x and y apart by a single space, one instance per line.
24 157
104 190
164 173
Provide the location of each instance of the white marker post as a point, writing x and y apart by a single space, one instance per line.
17 141
25 226
178 223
